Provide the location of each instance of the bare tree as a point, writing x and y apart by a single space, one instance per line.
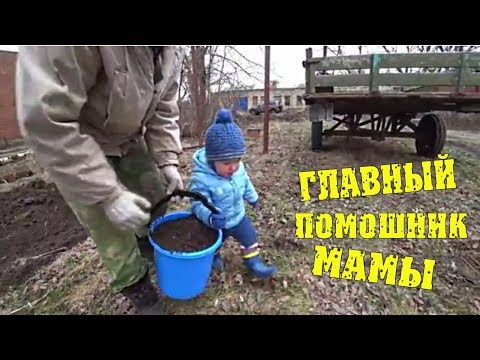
209 69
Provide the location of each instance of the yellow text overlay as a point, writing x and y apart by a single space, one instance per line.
383 179
381 226
391 269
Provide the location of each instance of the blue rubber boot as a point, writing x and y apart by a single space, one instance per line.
218 262
258 268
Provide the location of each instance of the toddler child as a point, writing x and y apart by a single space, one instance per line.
219 174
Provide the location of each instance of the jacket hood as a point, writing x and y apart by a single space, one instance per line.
201 163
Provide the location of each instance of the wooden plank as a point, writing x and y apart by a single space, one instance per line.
430 60
420 60
397 95
413 79
374 72
343 80
391 103
309 73
472 60
410 79
462 71
412 60
351 62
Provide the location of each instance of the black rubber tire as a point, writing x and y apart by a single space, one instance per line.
430 135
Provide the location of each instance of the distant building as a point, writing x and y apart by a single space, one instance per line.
242 100
291 98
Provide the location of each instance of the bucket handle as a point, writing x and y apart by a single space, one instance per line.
190 194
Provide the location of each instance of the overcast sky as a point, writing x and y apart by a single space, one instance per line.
286 60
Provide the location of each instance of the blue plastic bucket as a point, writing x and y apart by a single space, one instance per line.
180 275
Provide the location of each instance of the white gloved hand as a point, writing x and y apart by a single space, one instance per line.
128 211
172 178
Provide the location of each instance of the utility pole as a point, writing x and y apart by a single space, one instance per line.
266 100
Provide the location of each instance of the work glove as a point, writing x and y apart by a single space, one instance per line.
128 211
217 221
172 179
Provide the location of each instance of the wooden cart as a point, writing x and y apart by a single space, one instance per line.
378 113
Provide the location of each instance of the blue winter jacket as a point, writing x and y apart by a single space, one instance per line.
226 194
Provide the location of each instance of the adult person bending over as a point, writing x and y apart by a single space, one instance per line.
103 122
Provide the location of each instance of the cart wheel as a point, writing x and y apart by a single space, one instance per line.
430 135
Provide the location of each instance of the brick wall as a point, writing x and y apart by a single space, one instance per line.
8 120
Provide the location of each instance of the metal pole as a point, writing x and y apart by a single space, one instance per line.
266 99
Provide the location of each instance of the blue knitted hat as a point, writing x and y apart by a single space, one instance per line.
224 139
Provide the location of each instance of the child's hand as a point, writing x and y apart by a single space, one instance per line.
218 221
255 205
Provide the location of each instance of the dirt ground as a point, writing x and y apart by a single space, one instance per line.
34 220
74 281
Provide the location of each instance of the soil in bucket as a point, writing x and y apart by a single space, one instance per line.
184 235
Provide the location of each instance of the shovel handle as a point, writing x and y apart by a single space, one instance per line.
190 194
